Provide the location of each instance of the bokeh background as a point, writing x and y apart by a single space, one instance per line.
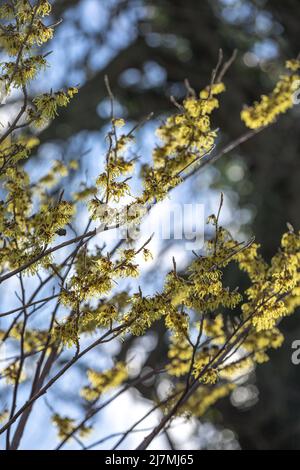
147 49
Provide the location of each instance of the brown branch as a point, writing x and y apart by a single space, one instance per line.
114 332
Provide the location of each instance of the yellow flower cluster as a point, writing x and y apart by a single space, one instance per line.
266 111
144 312
234 370
26 28
33 339
46 105
58 171
177 322
180 354
100 317
214 328
272 286
66 426
25 232
29 217
86 193
205 397
10 155
108 184
50 219
101 382
11 373
94 276
21 74
186 137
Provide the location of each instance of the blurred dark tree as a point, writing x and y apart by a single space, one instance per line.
182 39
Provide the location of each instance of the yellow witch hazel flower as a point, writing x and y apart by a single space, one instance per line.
266 111
66 426
180 354
101 316
144 312
11 373
50 219
47 104
186 137
21 74
44 8
110 187
101 382
33 339
92 277
236 369
214 328
26 28
205 397
7 11
49 180
119 122
178 322
272 286
189 130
